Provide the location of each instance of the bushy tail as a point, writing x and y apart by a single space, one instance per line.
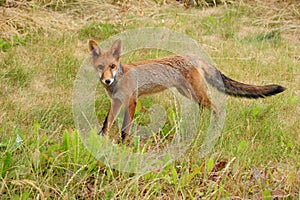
238 89
235 88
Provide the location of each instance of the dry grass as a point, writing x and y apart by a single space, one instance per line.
24 20
24 17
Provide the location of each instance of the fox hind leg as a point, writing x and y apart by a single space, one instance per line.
199 88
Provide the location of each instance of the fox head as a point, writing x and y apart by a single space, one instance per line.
106 63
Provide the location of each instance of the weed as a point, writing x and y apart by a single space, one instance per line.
273 37
6 44
17 77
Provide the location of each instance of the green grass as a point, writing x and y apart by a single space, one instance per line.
43 157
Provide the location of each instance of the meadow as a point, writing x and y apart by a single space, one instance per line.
43 43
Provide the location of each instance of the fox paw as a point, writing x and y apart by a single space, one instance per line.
125 141
101 132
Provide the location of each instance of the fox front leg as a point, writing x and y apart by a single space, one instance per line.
113 112
128 117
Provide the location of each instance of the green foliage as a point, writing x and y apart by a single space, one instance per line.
17 77
6 163
273 37
267 195
45 158
210 165
222 24
6 44
65 70
108 194
98 31
51 116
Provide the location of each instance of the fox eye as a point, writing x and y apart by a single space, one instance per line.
113 66
101 67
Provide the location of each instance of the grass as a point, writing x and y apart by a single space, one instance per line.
42 155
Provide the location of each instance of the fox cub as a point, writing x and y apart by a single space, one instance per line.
186 73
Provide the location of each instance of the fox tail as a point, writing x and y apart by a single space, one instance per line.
238 89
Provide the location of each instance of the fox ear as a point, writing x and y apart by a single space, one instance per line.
94 48
116 49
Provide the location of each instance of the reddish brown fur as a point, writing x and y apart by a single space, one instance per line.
186 73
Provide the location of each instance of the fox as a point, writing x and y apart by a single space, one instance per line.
182 72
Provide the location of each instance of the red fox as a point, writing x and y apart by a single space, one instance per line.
181 72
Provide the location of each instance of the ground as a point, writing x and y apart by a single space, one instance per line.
44 43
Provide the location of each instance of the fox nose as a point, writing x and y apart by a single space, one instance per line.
107 81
